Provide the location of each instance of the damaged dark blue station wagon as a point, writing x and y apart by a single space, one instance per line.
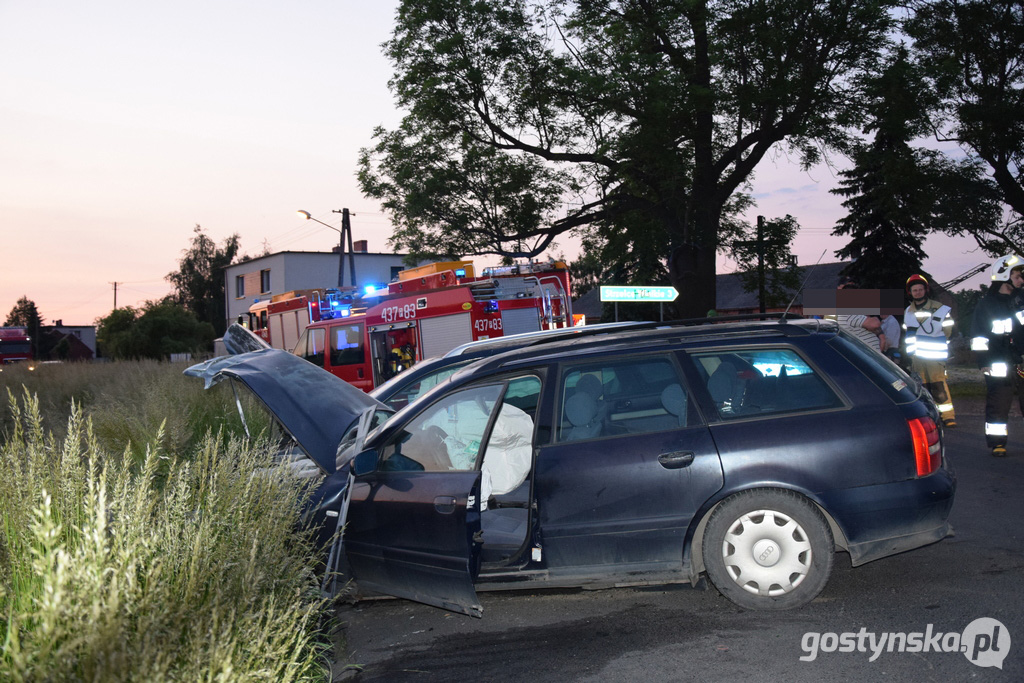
749 452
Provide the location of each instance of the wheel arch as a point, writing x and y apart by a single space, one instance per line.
693 551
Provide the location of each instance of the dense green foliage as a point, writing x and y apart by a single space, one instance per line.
159 329
636 120
896 195
972 52
199 280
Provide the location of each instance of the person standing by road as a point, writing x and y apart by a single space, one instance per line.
928 325
867 328
891 330
997 330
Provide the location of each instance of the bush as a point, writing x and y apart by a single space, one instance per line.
111 572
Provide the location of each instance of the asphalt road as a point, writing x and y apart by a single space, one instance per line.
683 634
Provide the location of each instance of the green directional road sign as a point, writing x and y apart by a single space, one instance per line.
631 293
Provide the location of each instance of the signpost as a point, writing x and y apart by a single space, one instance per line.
617 293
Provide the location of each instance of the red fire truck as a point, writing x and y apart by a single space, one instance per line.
280 320
432 309
15 345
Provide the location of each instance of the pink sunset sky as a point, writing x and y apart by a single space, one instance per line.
125 124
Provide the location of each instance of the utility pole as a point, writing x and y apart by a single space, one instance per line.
760 246
115 292
346 229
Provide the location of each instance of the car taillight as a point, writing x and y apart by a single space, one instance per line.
926 445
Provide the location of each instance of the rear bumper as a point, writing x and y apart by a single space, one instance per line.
886 519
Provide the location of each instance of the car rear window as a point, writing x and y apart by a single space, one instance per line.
885 374
757 381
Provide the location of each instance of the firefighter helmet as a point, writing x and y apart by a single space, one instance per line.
918 280
1000 270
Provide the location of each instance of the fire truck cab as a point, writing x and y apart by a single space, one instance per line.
430 310
280 320
15 345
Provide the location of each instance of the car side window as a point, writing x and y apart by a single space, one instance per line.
447 435
750 382
633 396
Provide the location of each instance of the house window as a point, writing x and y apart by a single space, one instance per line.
264 281
239 286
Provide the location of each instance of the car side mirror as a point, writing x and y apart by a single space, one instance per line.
365 462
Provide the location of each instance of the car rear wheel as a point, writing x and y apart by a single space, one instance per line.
768 549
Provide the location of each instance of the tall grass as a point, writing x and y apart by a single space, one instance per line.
176 558
129 403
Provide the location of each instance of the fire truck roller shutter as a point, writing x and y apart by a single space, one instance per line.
519 320
276 325
296 322
441 335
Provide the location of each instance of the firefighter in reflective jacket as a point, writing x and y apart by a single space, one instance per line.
402 358
998 334
928 325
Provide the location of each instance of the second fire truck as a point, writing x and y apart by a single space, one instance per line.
431 310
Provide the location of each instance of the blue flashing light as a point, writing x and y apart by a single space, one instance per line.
460 272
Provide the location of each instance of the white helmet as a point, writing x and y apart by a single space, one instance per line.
1000 270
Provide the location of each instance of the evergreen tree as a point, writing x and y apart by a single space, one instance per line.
887 192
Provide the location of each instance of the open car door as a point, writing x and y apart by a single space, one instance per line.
413 522
411 535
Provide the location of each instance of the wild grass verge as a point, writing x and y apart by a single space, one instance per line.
166 567
129 402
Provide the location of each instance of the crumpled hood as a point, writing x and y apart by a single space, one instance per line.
314 406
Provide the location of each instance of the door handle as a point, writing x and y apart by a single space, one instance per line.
445 504
675 460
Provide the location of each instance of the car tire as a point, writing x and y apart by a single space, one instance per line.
768 549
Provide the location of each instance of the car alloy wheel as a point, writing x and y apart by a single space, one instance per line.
768 549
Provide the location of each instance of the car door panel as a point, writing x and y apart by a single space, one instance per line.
613 501
411 535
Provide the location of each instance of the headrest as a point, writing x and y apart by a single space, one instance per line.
722 383
590 384
581 409
674 399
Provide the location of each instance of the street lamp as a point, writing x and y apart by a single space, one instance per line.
346 229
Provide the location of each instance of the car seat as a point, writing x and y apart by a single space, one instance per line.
581 411
673 399
726 388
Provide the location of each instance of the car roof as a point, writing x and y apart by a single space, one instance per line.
494 345
674 333
529 343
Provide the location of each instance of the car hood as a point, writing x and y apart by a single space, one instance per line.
315 407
